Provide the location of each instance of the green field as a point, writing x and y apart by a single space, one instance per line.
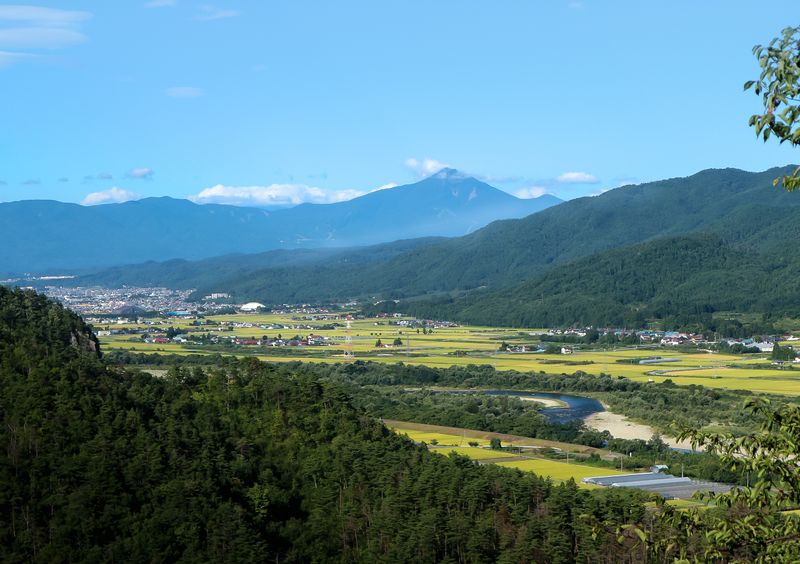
465 345
422 432
557 471
475 453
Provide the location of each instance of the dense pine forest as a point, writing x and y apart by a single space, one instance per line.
679 282
248 463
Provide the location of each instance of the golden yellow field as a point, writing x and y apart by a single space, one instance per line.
440 438
476 453
465 345
557 471
462 437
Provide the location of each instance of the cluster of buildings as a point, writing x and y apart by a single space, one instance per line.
125 301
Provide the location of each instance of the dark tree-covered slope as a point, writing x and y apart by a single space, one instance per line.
249 463
685 279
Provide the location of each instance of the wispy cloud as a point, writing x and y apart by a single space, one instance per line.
425 167
39 38
105 176
31 182
498 179
577 178
184 92
530 192
63 179
3 183
8 58
160 3
27 28
272 195
141 173
209 13
110 196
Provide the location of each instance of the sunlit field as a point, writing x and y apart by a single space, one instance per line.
464 345
556 470
453 436
475 453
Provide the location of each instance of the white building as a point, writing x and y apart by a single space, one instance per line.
251 306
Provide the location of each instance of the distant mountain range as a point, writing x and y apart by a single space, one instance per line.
720 239
49 236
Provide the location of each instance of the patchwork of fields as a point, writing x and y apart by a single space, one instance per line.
463 345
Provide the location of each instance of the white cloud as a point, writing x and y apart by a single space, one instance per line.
141 173
272 195
39 37
425 167
386 186
45 17
209 13
530 192
577 178
184 92
110 196
36 27
160 3
8 58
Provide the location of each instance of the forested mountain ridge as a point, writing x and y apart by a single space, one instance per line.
249 462
680 280
743 208
51 235
181 273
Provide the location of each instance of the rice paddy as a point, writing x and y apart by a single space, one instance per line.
526 461
465 345
475 453
558 471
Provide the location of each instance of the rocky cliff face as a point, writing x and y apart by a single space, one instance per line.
85 342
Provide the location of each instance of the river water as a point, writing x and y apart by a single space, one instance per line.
578 407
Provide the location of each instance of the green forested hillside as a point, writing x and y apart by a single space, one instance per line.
681 280
295 265
742 208
249 463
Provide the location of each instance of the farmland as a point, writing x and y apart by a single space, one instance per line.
556 470
463 345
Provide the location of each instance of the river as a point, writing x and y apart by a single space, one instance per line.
571 408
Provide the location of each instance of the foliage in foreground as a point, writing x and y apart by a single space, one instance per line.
750 524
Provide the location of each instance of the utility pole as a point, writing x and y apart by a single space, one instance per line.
348 340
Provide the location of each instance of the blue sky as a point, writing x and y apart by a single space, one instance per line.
257 102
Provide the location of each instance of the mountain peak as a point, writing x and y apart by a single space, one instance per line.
450 174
